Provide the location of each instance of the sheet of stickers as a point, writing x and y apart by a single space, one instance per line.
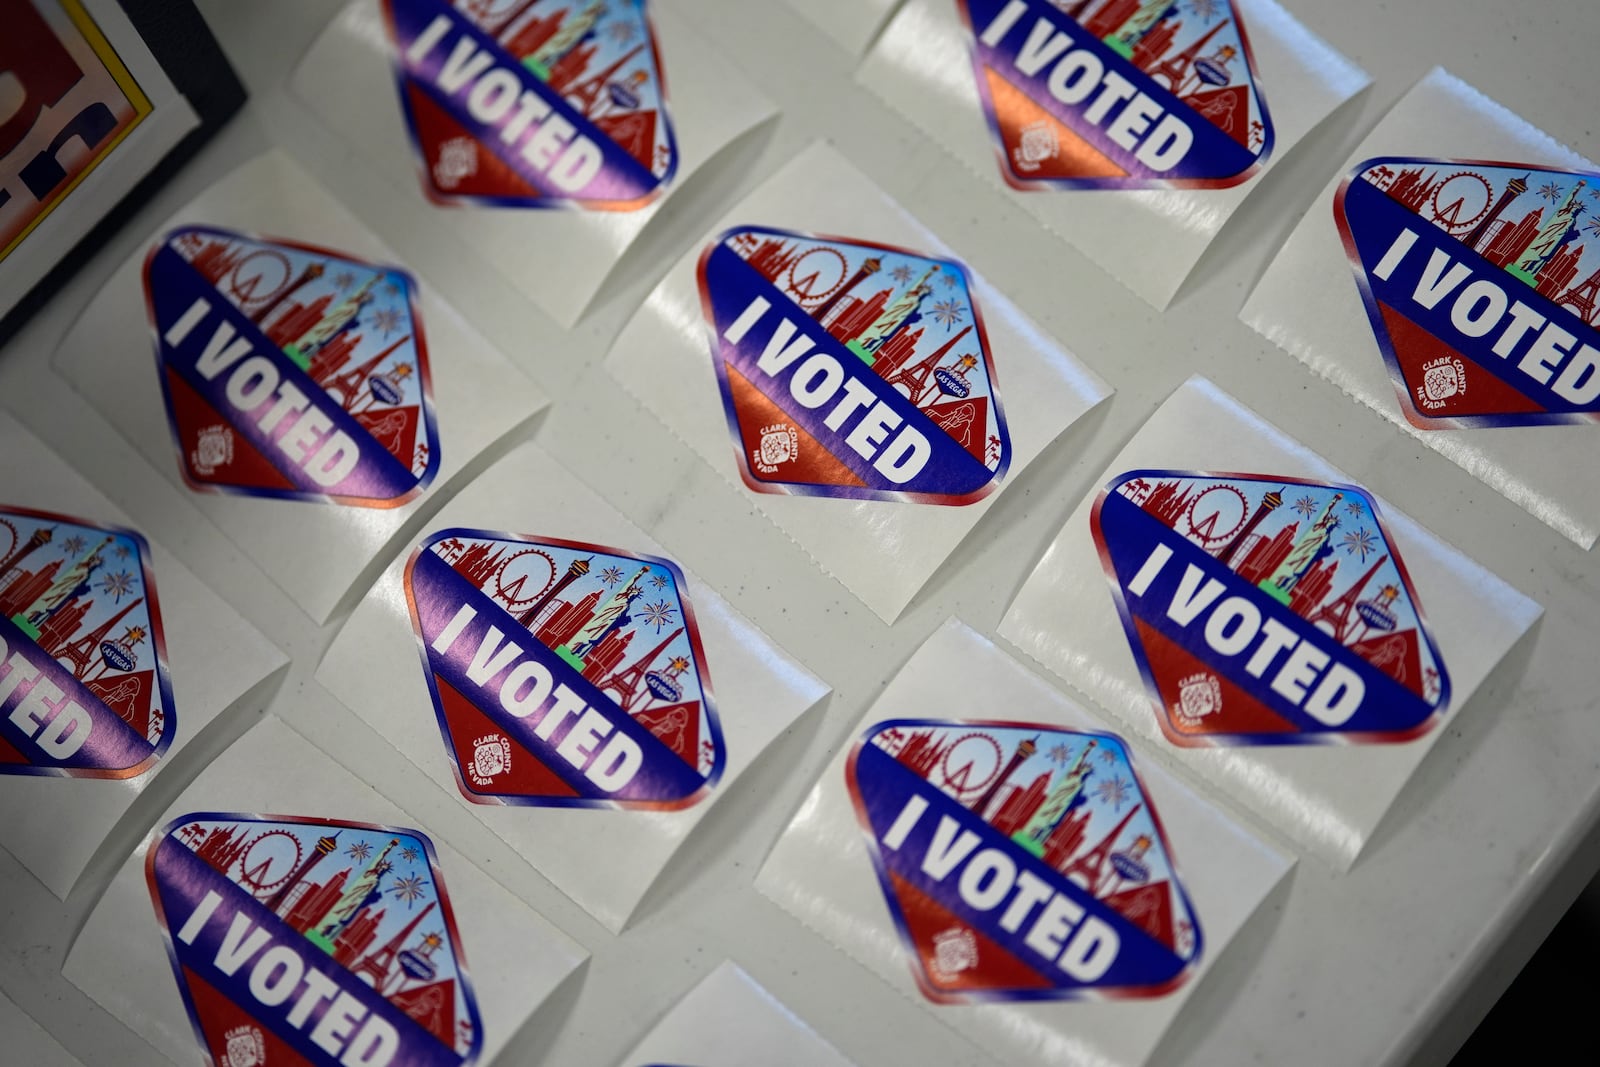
987 847
28 1042
113 657
598 111
1283 633
541 659
267 352
872 393
1456 262
728 1020
1133 129
280 911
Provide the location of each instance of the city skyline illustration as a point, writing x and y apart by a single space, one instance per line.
1192 48
910 317
1070 799
598 55
368 897
351 326
618 620
1540 226
81 594
1320 550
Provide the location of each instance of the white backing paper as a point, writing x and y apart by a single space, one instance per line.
314 551
852 23
514 958
820 871
1327 798
882 551
1441 116
1148 239
27 1042
604 859
558 258
728 1020
214 657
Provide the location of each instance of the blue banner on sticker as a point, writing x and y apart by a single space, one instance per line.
1267 610
313 941
1022 862
1482 284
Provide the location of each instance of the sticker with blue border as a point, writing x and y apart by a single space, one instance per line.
291 372
564 674
1482 284
315 941
1267 610
548 104
852 369
1022 862
84 691
1123 94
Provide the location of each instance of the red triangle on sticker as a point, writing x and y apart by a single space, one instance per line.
527 774
1171 665
438 135
1480 392
192 414
815 465
926 920
231 1034
677 726
1074 157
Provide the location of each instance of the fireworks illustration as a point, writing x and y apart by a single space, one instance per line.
359 851
73 545
1593 226
621 33
1306 506
118 585
659 581
1360 542
949 280
1114 791
410 889
410 854
1059 753
343 280
660 615
611 575
387 320
949 312
121 551
1550 191
1108 756
902 273
391 287
1204 10
1355 509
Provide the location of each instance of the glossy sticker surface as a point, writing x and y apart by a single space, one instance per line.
851 369
83 673
1482 284
1119 94
1267 610
1021 862
564 674
313 941
291 371
548 103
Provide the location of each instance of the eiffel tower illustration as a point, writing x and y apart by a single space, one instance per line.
915 378
629 681
584 95
1581 298
1092 864
377 963
348 384
1340 613
80 653
1176 68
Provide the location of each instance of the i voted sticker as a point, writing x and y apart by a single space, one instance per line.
542 104
313 941
1267 610
1481 281
851 369
1123 94
84 691
564 674
1021 862
291 371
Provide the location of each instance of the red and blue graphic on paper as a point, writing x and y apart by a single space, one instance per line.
290 371
564 674
534 103
1267 610
84 691
1021 862
1119 94
313 941
851 369
1482 283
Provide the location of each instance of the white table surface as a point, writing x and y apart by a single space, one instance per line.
1393 962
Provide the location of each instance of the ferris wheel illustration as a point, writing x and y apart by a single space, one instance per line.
1462 200
819 273
523 577
11 533
264 268
971 764
269 860
1216 514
